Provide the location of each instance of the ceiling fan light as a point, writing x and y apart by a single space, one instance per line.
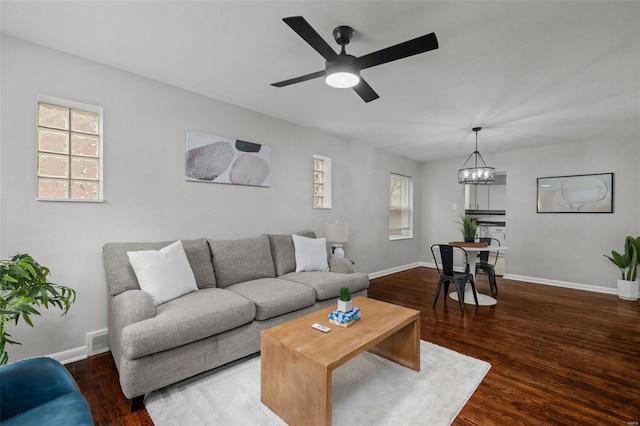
342 80
342 74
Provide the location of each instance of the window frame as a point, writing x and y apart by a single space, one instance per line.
71 105
406 208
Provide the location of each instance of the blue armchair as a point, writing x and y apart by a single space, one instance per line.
40 391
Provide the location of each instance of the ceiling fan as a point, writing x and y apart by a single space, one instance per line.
343 70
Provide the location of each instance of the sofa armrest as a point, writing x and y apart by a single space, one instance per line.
127 308
132 306
341 265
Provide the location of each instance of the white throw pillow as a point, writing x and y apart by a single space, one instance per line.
163 274
311 254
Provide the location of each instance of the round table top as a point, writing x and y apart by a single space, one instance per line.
487 248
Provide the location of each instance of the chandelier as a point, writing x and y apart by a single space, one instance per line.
476 174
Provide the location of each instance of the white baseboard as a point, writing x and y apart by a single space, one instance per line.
565 284
71 355
535 280
390 271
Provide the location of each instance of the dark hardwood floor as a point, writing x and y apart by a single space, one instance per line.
558 356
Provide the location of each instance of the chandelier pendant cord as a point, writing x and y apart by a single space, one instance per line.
477 154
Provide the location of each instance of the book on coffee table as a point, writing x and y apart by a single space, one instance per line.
344 324
344 319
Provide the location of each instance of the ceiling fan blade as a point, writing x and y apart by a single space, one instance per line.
399 51
299 79
308 34
365 91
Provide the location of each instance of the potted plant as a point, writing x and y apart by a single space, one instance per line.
628 287
24 288
344 302
468 227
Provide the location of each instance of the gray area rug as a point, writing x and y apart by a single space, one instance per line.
368 390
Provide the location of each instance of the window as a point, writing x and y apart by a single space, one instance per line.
321 182
69 151
400 207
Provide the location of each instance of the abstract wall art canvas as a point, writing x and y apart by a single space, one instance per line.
576 194
217 159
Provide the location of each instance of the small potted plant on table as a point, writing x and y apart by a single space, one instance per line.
344 302
468 227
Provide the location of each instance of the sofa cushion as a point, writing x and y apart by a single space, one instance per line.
186 319
163 274
274 297
236 261
283 252
311 254
327 284
120 275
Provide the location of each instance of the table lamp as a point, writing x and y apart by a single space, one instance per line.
337 234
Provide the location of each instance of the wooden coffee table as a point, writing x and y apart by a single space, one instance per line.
297 361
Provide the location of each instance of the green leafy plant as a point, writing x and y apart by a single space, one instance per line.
345 294
627 262
24 288
468 226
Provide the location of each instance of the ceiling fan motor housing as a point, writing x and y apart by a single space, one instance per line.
343 34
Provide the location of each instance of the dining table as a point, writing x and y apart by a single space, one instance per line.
473 249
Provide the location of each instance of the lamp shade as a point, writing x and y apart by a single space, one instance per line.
337 232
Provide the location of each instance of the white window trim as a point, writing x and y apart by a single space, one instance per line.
81 106
410 203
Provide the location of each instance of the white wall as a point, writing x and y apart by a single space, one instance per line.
146 195
553 247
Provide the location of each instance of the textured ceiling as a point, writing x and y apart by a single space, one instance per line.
530 73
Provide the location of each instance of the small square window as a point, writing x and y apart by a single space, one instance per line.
69 151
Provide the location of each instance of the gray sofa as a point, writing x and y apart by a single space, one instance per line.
245 286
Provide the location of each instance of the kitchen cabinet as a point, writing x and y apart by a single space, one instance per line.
477 197
497 197
487 197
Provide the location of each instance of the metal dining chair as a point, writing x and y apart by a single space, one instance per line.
444 261
488 267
